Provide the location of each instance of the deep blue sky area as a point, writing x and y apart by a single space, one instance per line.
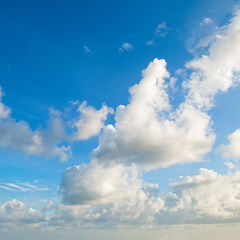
43 62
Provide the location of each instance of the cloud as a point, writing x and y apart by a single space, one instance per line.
47 142
161 29
15 212
148 132
22 187
201 199
106 194
87 49
206 21
217 71
232 150
126 47
19 136
95 183
150 43
90 122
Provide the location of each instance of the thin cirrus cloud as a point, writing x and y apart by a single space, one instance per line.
22 187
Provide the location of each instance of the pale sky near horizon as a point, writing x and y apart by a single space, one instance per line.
119 120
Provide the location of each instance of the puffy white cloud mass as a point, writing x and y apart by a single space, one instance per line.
90 122
114 194
15 212
232 150
217 71
150 132
205 198
147 131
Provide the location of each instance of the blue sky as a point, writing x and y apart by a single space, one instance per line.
119 113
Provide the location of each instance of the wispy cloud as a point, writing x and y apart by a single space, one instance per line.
161 30
150 43
206 21
22 187
126 47
87 49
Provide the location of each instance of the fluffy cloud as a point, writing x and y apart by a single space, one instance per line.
21 137
108 194
95 183
232 150
47 142
205 198
149 132
90 122
217 71
15 212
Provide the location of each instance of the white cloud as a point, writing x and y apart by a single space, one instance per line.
90 122
15 212
4 110
22 187
19 136
95 183
206 21
87 49
232 150
161 29
47 142
205 198
149 133
150 43
126 47
106 194
217 71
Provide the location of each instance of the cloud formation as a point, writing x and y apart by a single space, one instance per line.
232 150
15 212
90 122
149 132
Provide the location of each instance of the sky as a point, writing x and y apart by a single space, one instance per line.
119 119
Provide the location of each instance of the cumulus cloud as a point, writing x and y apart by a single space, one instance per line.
148 132
205 198
47 142
90 122
114 194
217 71
15 212
19 136
232 150
95 183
